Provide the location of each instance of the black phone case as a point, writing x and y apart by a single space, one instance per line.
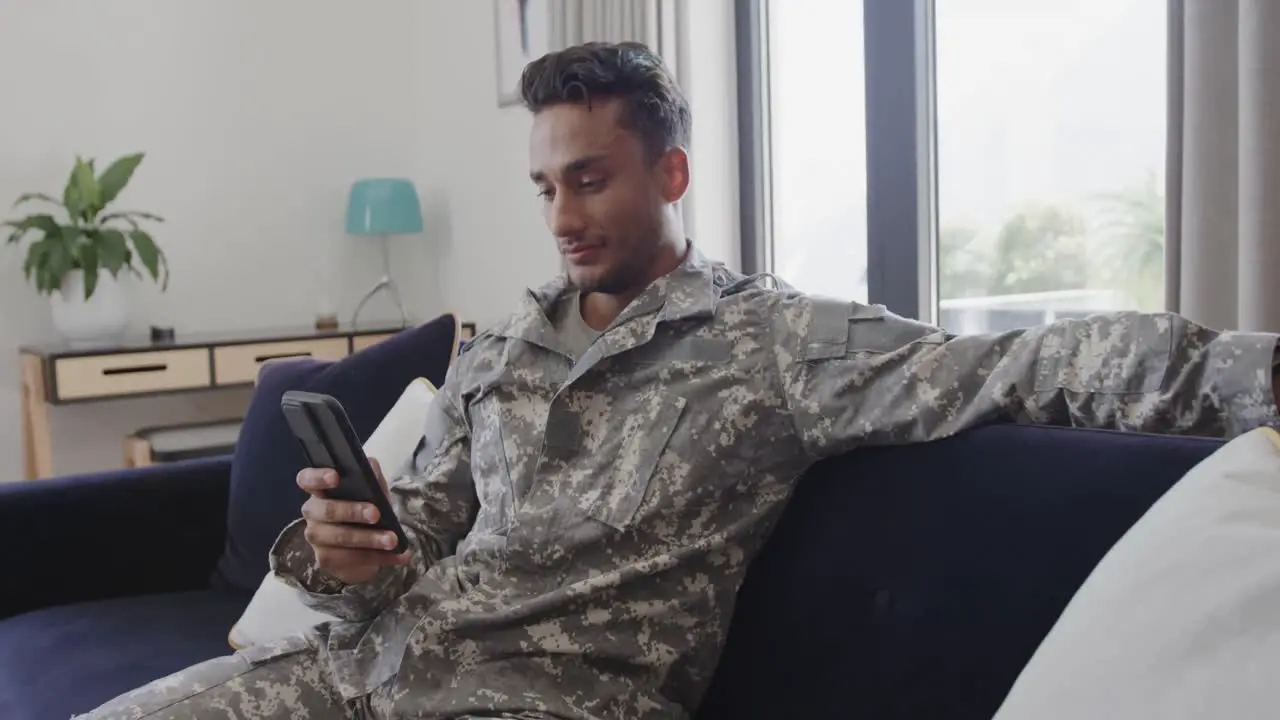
324 431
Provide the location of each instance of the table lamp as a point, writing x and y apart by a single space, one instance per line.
380 208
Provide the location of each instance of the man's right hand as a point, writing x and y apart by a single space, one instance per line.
344 550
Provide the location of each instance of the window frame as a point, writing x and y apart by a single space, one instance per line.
751 27
900 122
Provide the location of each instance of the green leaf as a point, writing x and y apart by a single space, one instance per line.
92 238
113 250
53 262
111 217
40 222
114 178
68 238
88 189
89 263
36 255
150 255
27 197
44 223
71 198
56 263
130 215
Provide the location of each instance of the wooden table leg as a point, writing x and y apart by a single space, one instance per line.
137 452
37 442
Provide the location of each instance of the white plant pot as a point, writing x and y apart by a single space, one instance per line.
103 318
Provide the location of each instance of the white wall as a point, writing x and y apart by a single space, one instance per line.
474 162
255 117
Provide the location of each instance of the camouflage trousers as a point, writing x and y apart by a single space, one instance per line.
284 680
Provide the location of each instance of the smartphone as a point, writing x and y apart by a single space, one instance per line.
324 431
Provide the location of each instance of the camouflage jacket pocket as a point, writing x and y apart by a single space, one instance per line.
839 329
622 482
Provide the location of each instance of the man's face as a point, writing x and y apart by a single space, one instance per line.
603 200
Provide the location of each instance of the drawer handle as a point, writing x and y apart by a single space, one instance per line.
136 369
280 356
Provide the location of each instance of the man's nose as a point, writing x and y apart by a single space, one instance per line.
566 217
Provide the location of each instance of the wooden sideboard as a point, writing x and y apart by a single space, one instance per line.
61 374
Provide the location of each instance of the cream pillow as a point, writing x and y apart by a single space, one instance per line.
1181 619
275 609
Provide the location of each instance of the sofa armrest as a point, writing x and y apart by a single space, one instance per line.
93 536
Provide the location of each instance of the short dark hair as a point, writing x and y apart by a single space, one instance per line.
653 105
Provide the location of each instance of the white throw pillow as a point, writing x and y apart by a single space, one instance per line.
275 609
1181 619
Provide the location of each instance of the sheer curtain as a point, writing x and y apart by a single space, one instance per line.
652 22
1223 215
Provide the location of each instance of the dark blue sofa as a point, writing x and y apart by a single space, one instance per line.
902 583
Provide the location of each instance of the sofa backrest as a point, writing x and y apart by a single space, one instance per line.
916 581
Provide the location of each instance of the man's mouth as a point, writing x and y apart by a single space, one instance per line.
582 253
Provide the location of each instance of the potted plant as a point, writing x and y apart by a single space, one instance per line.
77 259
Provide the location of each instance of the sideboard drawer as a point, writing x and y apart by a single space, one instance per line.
78 378
239 364
360 342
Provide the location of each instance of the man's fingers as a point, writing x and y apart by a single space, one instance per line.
338 530
318 509
320 534
315 480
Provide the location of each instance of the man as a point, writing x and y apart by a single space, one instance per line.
600 468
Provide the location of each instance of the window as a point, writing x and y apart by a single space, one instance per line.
817 146
1051 141
1002 158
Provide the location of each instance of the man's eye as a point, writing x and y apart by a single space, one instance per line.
590 183
545 193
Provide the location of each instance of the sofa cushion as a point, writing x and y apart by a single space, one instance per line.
1180 620
916 581
263 496
69 659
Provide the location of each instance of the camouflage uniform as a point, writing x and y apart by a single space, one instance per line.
581 528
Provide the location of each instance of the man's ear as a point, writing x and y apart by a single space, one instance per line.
673 170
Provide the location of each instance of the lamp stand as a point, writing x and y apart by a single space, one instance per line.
384 283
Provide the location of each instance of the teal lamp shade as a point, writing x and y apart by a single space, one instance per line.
383 206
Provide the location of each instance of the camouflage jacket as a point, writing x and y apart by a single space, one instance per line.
581 529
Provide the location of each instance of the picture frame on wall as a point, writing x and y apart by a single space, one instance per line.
522 34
